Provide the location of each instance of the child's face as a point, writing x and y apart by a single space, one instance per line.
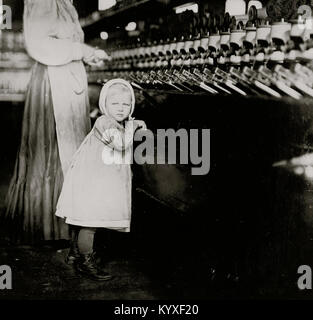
118 104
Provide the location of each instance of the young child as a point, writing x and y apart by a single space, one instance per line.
97 187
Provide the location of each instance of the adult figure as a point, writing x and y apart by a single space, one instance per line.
55 122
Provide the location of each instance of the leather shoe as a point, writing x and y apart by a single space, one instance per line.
87 266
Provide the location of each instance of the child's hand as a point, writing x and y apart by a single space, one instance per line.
109 123
139 124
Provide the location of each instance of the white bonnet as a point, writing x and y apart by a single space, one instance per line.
104 92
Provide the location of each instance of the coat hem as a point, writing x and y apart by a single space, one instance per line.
121 225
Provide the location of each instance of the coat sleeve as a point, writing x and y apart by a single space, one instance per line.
112 136
40 18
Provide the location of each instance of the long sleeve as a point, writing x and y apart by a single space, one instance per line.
42 42
112 136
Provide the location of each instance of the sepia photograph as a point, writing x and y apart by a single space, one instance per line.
156 151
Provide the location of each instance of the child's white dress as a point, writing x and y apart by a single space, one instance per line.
96 193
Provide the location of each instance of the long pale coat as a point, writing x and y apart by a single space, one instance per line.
97 187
